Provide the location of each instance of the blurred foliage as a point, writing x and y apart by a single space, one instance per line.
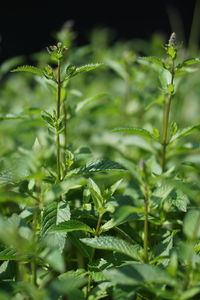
111 161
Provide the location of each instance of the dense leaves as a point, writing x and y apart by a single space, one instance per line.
99 173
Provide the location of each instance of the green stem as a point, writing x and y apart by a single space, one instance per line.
58 116
146 200
34 227
65 126
93 252
166 123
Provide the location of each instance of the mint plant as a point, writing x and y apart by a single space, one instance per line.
91 214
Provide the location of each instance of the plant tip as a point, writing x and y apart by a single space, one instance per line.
172 40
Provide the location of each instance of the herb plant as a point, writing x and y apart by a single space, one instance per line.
88 211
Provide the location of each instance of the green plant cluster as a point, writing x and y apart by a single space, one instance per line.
99 172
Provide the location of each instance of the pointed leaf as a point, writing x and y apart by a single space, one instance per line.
184 132
96 194
115 186
29 69
54 213
86 68
114 244
9 254
188 62
136 130
97 166
71 225
138 274
87 101
152 59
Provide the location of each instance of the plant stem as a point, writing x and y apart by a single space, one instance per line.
146 201
34 227
58 116
65 126
93 251
166 122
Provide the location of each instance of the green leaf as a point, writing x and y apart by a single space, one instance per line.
115 186
75 238
190 293
121 216
188 62
87 101
100 165
138 274
152 59
70 70
100 291
118 68
55 213
9 254
114 244
178 199
47 117
63 188
7 65
136 130
86 68
184 132
12 117
121 292
71 225
96 194
191 224
132 168
29 69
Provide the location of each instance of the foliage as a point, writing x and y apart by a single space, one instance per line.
99 179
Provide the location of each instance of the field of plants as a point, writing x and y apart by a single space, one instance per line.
100 170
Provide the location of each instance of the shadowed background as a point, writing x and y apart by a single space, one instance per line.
27 29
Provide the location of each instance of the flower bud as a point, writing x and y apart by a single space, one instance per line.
172 40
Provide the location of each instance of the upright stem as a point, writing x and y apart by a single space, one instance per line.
166 122
58 116
146 201
93 251
34 227
65 126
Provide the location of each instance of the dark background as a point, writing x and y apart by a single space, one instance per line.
25 29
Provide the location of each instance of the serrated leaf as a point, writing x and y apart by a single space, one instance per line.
114 244
86 68
138 274
152 59
100 165
135 130
188 62
55 213
178 199
184 132
9 254
29 69
70 70
71 225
